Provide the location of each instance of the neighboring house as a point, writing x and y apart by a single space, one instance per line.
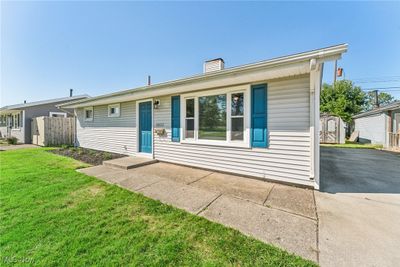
258 120
332 129
15 120
378 126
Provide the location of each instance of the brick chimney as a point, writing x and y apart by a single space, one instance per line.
213 65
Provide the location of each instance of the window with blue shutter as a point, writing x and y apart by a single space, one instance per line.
259 116
175 118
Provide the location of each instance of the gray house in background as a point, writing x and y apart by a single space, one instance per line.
380 125
15 120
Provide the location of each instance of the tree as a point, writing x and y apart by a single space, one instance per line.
343 100
383 99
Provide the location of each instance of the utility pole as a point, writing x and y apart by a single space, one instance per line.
376 99
334 73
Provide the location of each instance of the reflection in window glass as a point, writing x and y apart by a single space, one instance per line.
189 120
237 104
189 108
237 129
212 117
237 120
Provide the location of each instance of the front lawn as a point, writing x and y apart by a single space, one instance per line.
52 215
349 144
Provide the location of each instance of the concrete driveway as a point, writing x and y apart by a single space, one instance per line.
359 208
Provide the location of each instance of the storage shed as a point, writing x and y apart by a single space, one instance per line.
332 130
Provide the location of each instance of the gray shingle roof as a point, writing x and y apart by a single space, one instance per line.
392 106
44 102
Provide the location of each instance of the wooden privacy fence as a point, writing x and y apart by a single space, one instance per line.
52 131
394 140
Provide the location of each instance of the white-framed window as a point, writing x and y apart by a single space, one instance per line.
58 114
88 113
3 120
114 110
237 116
16 121
217 117
189 118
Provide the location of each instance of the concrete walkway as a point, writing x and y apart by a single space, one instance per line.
282 215
359 208
13 147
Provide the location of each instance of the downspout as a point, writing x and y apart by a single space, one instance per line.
315 86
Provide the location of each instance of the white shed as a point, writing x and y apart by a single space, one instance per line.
380 125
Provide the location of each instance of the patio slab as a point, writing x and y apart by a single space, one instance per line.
177 173
292 199
100 171
135 181
291 232
186 197
250 189
126 163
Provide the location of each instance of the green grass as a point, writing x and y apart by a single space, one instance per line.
349 144
213 134
52 215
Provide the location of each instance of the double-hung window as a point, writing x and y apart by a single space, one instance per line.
114 110
237 116
16 122
189 118
89 114
218 117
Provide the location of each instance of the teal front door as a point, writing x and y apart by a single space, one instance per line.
145 127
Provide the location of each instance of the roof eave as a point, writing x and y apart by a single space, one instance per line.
321 55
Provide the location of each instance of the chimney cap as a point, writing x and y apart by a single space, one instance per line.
215 59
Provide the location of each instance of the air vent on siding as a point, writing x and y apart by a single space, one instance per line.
213 65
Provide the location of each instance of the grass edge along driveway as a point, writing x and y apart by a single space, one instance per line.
52 215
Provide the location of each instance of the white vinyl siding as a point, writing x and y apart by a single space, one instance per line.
372 129
286 159
115 134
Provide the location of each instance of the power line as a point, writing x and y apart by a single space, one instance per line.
376 78
382 88
377 81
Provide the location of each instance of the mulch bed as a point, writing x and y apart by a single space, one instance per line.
91 156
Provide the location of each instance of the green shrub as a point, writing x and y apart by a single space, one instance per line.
107 156
12 140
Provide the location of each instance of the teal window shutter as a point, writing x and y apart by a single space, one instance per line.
258 131
175 118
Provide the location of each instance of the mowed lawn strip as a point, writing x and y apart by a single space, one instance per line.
52 215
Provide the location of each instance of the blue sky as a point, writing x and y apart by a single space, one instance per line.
102 47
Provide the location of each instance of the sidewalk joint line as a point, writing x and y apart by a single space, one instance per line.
200 178
208 205
140 188
269 193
